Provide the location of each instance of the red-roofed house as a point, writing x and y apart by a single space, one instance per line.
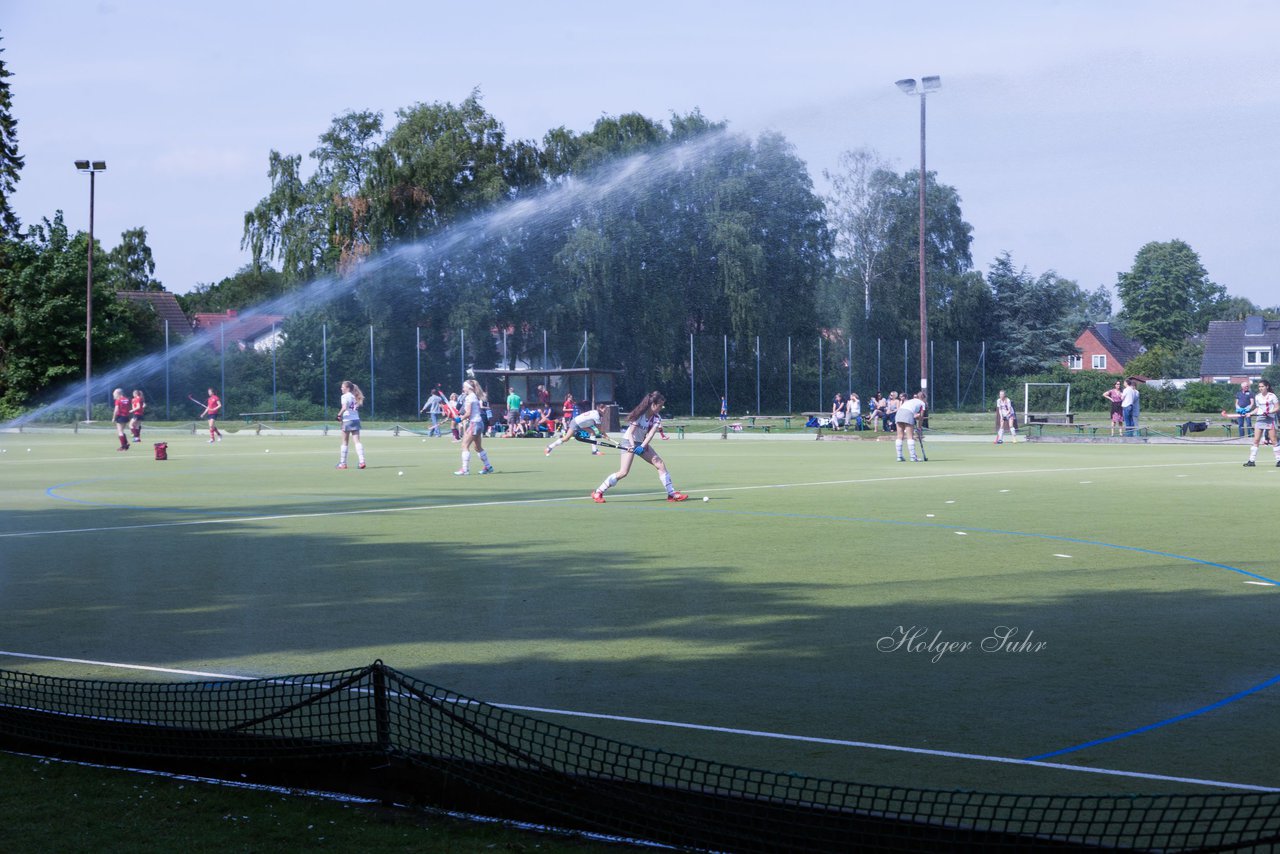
1103 349
257 331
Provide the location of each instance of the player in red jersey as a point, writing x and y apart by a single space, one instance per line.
137 409
120 415
212 409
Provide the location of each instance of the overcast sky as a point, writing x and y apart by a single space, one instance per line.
1075 132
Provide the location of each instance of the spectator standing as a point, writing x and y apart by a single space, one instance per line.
1129 407
1244 403
1115 397
513 412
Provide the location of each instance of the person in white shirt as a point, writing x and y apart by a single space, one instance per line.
585 423
1006 415
1129 407
910 410
473 427
349 415
1264 414
643 424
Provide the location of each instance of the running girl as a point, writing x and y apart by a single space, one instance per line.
120 415
1265 407
137 408
349 415
642 425
212 409
472 427
586 425
1005 415
910 410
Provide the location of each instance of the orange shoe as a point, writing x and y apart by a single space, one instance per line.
597 497
677 496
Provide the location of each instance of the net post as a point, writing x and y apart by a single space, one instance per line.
381 712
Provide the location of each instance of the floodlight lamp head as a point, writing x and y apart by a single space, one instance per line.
82 165
908 85
929 84
99 166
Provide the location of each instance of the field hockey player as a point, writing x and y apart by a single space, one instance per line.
586 424
642 425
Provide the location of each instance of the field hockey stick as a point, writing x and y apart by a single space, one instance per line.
920 440
598 441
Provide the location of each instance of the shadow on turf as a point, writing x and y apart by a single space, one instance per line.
612 623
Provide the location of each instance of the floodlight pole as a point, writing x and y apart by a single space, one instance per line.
908 86
92 167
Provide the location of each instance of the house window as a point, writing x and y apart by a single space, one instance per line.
1099 362
1075 363
1257 357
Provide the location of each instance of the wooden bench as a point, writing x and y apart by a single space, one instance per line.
278 415
751 421
1050 418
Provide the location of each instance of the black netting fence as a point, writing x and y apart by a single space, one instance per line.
381 733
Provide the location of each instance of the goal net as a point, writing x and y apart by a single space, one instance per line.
1046 399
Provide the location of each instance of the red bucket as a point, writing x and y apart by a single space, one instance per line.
162 450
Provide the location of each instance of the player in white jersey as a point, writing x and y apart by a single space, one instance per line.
1265 411
585 423
472 427
643 424
1006 415
910 410
349 415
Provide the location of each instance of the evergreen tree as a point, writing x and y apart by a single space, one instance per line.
10 161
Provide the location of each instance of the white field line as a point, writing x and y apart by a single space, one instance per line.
239 520
835 742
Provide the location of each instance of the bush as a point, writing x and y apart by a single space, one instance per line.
1208 397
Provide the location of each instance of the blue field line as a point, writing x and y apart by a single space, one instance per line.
1225 701
953 526
1158 724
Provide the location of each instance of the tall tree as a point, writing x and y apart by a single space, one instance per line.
859 216
130 265
10 161
1035 325
1167 295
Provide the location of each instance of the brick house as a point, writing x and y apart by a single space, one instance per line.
249 331
1103 349
1239 350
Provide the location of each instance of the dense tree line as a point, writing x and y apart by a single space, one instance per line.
451 239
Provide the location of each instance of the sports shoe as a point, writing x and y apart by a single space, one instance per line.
677 496
362 465
599 453
901 460
210 441
462 472
1249 464
998 442
915 459
341 465
487 470
597 497
548 452
1278 464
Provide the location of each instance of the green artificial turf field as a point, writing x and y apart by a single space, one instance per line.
1107 608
